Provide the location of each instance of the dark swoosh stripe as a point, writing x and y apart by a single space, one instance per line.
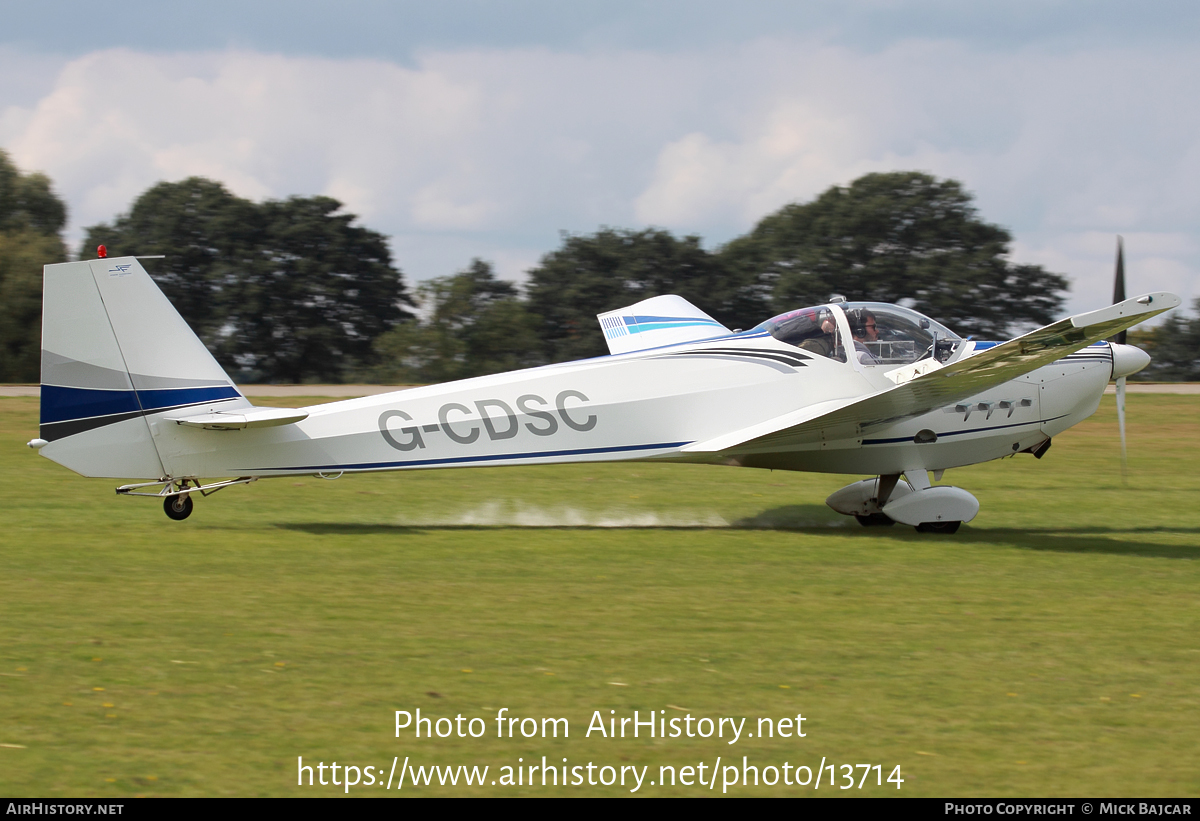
792 355
736 356
774 356
52 431
796 354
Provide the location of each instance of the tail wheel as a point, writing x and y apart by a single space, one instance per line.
178 507
875 520
938 527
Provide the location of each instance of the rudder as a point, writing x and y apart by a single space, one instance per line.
114 352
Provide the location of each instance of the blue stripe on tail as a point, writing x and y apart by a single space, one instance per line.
61 404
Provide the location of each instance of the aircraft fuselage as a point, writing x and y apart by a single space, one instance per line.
602 410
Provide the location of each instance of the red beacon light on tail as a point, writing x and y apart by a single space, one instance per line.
101 252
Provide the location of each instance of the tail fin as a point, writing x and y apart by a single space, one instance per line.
114 352
658 321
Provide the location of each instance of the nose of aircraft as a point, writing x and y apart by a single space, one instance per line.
1128 360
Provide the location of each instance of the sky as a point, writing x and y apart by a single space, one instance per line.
473 128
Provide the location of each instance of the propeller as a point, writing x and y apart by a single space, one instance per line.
1119 296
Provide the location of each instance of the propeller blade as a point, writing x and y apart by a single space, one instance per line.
1119 296
1119 285
1121 425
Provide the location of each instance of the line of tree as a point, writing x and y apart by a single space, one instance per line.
295 291
903 237
31 224
1174 348
279 291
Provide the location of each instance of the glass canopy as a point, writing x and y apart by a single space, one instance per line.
880 334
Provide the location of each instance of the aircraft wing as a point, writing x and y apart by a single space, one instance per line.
957 380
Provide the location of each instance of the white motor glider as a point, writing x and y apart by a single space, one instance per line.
128 391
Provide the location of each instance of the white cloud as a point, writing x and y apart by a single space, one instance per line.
699 181
492 152
119 121
1056 147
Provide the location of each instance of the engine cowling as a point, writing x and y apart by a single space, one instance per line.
1127 360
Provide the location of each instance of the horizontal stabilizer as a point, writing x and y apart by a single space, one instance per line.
244 418
955 381
658 321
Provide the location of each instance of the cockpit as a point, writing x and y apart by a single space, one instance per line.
876 332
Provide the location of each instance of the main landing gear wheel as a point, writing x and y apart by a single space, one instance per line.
875 520
938 527
178 507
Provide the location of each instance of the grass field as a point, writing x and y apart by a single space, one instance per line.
1049 648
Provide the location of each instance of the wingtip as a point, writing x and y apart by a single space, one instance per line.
1136 309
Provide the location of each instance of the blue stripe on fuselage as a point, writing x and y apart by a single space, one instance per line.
897 439
982 345
458 460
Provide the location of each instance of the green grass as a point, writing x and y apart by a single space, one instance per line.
1050 648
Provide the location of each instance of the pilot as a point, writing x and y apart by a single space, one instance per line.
864 329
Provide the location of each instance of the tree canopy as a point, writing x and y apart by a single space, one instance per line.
27 201
610 269
474 324
1174 348
31 217
287 291
903 237
295 291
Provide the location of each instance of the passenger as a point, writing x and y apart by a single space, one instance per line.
864 329
824 343
811 329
